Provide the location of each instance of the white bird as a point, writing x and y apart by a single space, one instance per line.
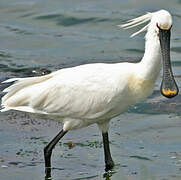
96 93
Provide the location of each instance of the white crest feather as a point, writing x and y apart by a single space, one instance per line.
137 21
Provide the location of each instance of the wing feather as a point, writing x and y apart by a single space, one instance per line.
80 92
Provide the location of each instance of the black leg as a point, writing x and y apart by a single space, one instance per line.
108 159
48 152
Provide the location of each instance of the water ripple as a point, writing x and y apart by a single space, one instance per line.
176 49
17 30
70 20
4 55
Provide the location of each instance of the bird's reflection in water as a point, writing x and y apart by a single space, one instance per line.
106 175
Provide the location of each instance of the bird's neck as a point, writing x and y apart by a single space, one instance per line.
151 62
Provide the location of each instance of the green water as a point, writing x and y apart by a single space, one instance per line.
40 36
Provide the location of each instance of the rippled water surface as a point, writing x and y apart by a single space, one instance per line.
40 36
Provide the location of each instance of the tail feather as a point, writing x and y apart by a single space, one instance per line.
23 108
19 84
11 80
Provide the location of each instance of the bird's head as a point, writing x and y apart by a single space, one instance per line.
162 20
160 27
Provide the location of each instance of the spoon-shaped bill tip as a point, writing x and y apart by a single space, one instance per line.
169 87
169 93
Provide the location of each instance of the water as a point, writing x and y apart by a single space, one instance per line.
40 36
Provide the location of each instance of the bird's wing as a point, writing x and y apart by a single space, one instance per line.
81 92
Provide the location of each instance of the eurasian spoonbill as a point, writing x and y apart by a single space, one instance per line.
96 93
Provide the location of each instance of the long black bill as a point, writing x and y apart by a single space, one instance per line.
168 87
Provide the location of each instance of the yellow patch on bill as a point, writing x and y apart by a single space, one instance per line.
168 92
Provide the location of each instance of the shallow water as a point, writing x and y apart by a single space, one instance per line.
40 36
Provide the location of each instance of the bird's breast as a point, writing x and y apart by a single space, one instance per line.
139 87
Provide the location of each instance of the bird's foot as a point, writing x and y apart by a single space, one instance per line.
48 173
109 165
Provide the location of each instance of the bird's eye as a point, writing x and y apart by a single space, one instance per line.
157 26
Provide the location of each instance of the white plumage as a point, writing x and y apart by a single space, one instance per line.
78 96
95 93
92 93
